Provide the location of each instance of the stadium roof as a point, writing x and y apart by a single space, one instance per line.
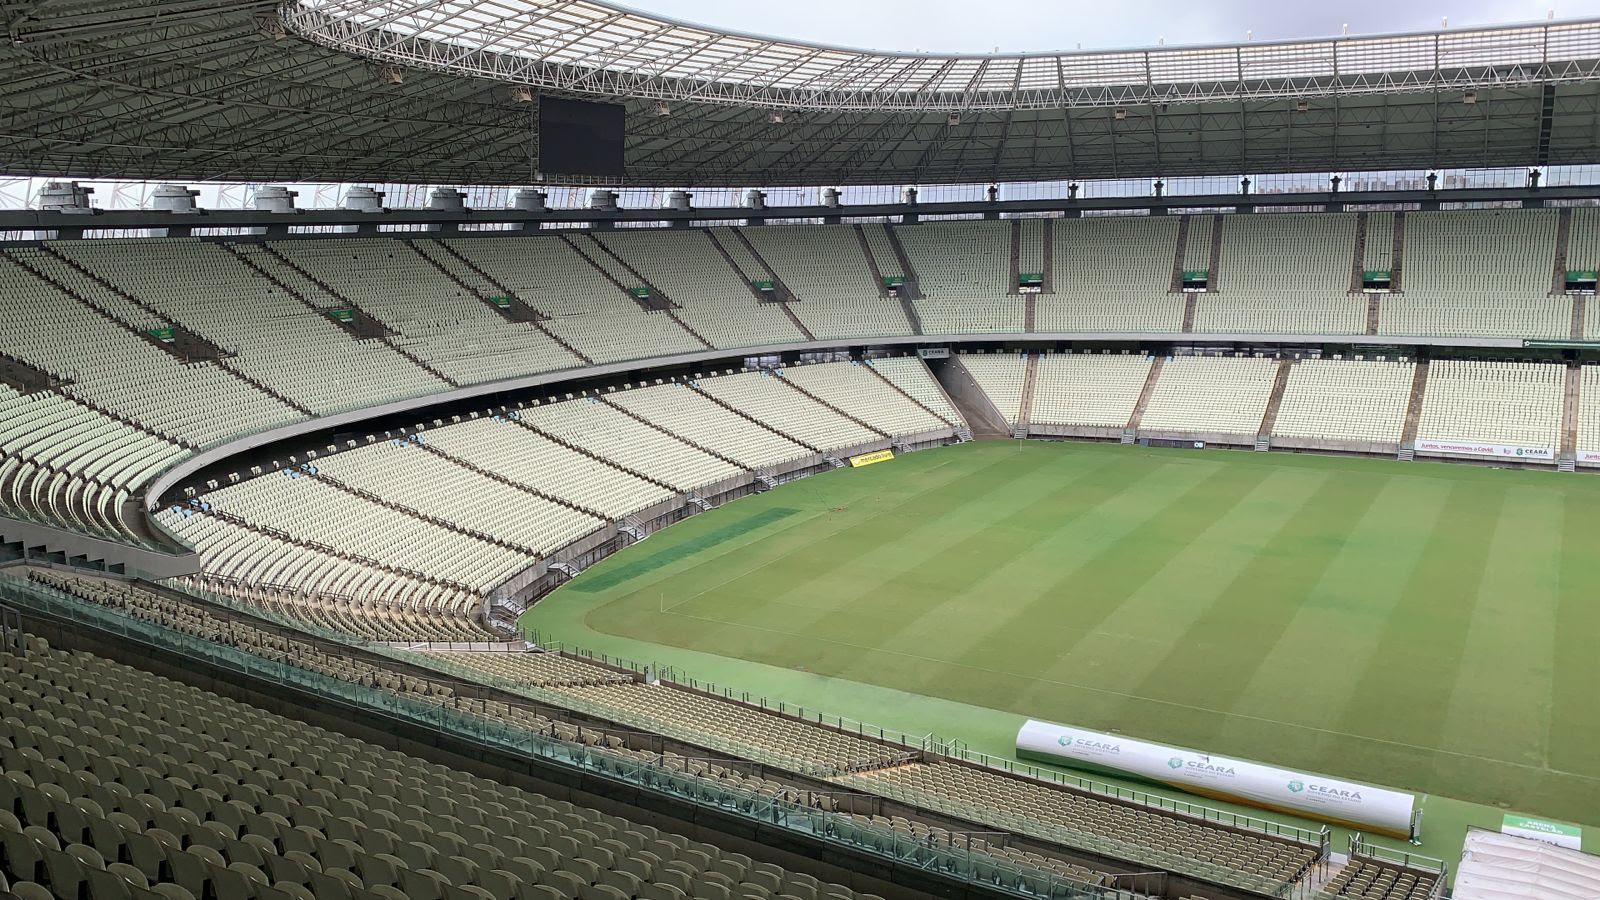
437 91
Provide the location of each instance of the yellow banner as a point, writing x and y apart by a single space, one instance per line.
867 459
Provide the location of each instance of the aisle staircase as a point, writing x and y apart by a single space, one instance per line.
1269 418
1145 393
1419 389
1358 258
1567 460
1558 275
1030 381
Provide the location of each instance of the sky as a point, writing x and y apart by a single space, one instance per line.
1018 25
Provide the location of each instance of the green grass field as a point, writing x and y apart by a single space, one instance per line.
1428 626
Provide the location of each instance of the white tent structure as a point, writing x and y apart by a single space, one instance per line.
1497 866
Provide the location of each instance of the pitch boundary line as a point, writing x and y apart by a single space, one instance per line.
1131 696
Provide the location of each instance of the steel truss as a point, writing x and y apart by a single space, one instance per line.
588 47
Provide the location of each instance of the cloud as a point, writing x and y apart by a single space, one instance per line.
1014 25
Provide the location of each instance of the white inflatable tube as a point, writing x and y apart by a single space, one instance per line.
1313 796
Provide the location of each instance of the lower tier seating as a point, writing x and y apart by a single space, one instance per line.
1589 416
189 796
1363 879
1346 400
1088 389
1000 376
993 796
1226 395
707 720
1508 404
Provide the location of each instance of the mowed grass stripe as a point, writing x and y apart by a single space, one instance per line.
808 598
1574 739
960 610
1403 693
977 504
856 532
1220 653
1183 581
1292 709
1507 659
1098 586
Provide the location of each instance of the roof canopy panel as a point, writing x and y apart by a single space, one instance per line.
586 46
227 90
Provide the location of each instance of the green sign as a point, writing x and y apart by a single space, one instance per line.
1196 274
893 281
343 314
1559 833
764 284
501 301
1376 275
643 293
1583 275
1030 278
163 334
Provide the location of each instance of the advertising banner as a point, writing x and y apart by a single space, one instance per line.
1478 448
1592 457
1559 833
867 459
1313 796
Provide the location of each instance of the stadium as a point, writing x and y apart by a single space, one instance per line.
538 449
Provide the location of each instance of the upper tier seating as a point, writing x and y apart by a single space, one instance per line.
274 336
1112 274
94 338
1509 404
65 464
962 270
1283 274
1346 400
1479 272
1226 395
1000 376
209 798
434 317
824 266
711 296
1088 389
587 310
81 312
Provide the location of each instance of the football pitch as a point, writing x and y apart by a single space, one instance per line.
1427 626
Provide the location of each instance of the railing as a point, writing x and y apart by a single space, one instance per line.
1359 846
1321 838
1081 840
949 858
